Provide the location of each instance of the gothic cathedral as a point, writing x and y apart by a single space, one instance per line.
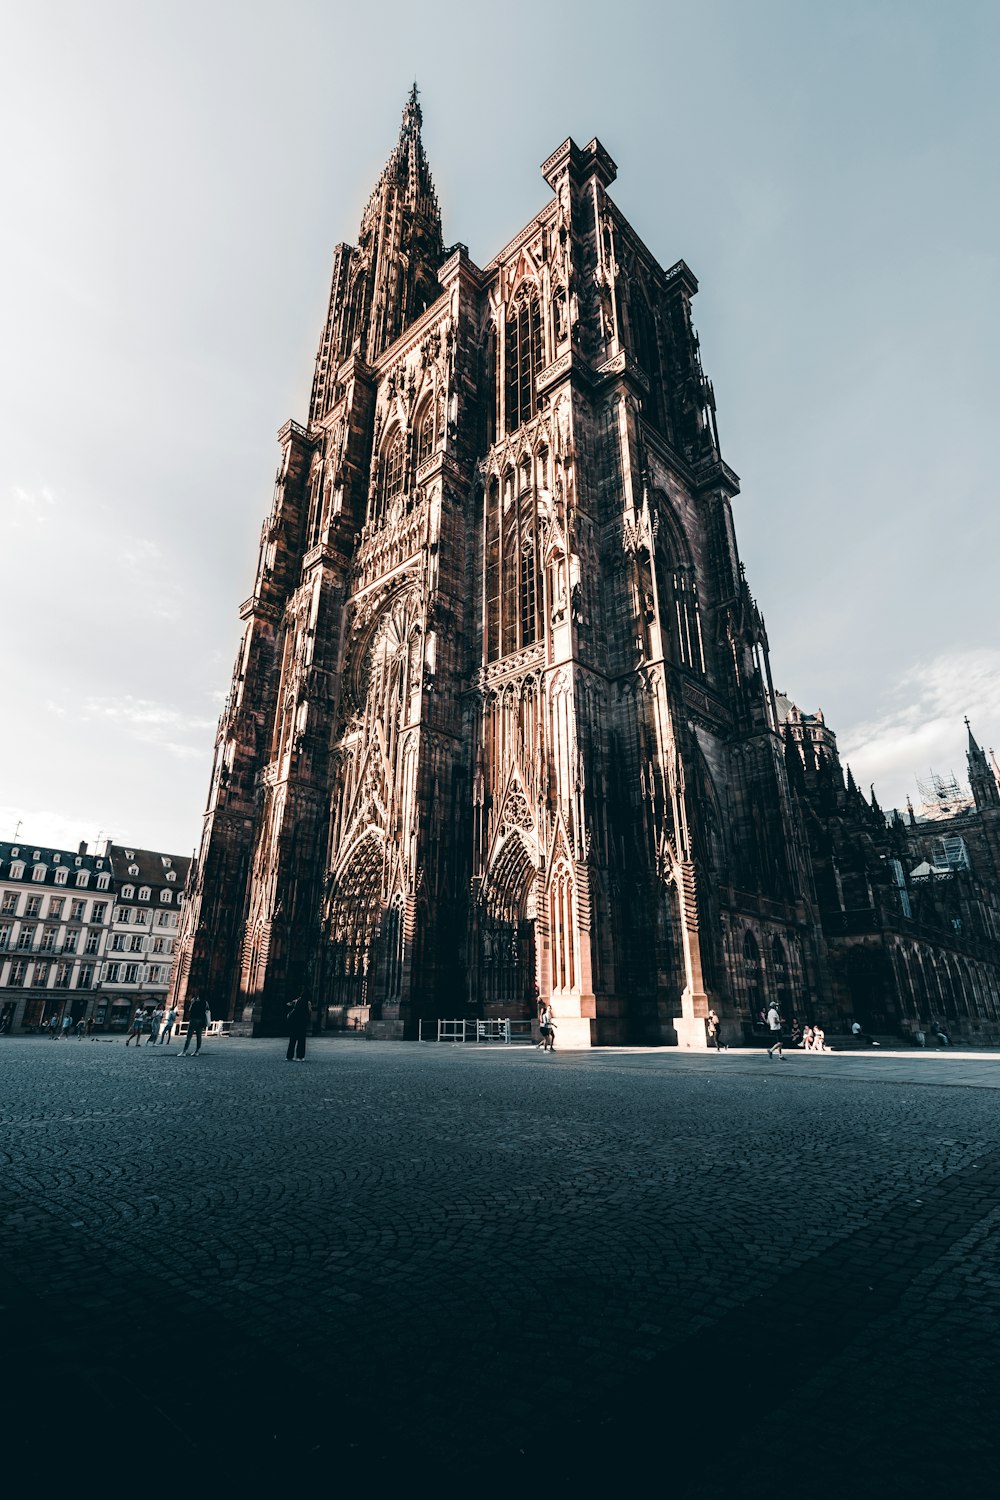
502 721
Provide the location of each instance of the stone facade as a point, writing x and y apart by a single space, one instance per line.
139 957
55 916
502 720
910 906
87 934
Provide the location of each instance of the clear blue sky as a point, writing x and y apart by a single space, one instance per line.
175 176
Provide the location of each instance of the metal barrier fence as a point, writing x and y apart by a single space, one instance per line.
214 1028
501 1029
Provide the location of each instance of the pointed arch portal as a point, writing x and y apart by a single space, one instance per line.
507 931
354 926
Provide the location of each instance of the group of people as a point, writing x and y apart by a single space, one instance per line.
158 1023
811 1038
937 1032
58 1027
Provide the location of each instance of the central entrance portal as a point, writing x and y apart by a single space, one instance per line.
507 969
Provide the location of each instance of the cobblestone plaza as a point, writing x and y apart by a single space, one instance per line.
715 1274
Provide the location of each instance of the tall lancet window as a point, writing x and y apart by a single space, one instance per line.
512 604
526 538
492 570
529 591
391 475
509 599
425 433
523 343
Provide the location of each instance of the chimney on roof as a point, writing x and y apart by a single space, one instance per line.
83 847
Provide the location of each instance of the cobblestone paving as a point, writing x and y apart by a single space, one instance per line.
714 1276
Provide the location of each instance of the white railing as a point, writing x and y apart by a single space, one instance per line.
214 1028
497 1029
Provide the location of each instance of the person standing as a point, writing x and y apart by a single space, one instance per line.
714 1028
135 1030
154 1027
774 1032
67 1022
170 1016
546 1028
299 1018
299 1021
197 1019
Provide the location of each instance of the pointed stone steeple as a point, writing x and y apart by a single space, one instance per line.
400 239
385 282
982 778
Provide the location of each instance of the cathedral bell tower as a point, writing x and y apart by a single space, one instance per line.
502 723
251 935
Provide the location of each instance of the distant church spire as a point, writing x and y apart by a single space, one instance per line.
973 747
982 777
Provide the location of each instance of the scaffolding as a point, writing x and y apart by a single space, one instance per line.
943 796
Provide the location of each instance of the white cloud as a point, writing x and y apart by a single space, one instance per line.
142 565
140 552
30 507
152 723
47 827
922 727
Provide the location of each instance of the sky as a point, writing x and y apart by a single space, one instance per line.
175 177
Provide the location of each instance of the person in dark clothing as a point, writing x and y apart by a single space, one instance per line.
197 1019
299 1019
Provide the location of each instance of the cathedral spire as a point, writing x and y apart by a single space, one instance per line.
412 114
982 777
381 285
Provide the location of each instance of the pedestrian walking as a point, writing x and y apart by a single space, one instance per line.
154 1026
714 1028
67 1022
197 1019
135 1030
169 1017
546 1028
53 1027
299 1019
774 1031
81 1027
